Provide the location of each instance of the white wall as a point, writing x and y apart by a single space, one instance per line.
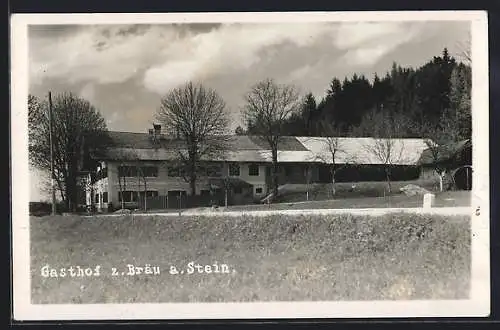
163 183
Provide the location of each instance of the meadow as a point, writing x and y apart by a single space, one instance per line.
271 258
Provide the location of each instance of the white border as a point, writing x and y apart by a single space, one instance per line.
477 305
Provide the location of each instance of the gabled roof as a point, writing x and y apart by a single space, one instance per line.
443 153
242 148
237 142
404 151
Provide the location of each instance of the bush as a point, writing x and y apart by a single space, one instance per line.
45 208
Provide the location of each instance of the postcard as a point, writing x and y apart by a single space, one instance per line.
250 165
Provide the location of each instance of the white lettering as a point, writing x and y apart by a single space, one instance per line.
190 268
45 271
80 271
72 271
199 268
225 268
173 270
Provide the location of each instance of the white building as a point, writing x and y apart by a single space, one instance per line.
137 165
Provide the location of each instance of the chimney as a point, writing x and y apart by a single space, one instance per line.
157 129
156 132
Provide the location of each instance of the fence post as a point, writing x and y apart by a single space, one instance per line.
428 201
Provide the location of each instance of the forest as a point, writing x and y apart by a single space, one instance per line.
405 102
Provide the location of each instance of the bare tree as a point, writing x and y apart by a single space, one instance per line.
130 165
77 128
122 182
388 153
332 149
386 145
464 51
439 139
196 115
143 176
267 107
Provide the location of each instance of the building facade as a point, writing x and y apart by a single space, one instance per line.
137 169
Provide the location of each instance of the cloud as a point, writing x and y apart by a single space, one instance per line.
163 55
101 54
113 119
160 57
88 92
368 42
230 47
300 73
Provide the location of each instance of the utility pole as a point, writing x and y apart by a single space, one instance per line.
53 190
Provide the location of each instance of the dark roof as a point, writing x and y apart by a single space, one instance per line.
285 143
136 140
242 148
237 142
443 153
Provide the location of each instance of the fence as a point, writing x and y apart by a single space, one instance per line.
181 201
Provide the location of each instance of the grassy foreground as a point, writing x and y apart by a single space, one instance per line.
293 258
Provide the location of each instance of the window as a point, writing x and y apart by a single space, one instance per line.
149 193
204 192
105 197
127 196
102 173
238 190
127 171
214 171
176 193
96 198
234 169
258 190
150 171
174 172
253 170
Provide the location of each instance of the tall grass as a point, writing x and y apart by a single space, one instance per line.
323 257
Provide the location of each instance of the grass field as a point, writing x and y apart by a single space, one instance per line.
443 199
398 256
348 190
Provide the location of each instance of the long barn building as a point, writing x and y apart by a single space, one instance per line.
138 165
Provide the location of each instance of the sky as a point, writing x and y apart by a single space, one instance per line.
124 70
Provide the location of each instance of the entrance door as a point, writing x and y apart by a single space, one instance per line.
463 178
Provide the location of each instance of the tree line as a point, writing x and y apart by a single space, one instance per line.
432 101
432 96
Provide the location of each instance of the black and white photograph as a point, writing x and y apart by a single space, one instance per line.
250 165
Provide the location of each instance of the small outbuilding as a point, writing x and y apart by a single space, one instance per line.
455 158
